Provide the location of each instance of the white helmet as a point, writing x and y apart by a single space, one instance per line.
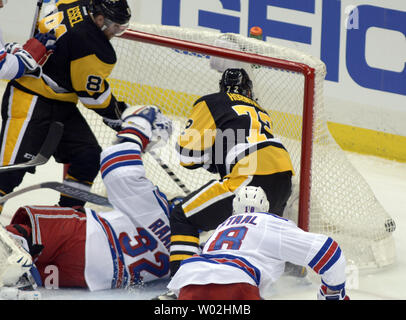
250 199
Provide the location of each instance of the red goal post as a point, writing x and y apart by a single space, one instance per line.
171 67
256 59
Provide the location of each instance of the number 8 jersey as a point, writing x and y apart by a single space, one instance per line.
253 248
80 64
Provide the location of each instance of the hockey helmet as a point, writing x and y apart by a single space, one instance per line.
116 11
236 81
250 199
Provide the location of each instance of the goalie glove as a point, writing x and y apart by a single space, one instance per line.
325 293
146 126
137 125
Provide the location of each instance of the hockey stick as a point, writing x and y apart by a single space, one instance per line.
63 188
170 173
36 17
48 148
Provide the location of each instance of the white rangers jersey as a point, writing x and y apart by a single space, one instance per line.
254 247
10 66
130 243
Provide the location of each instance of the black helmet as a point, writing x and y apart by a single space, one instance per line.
236 81
115 10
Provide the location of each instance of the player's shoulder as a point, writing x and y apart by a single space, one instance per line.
275 219
212 97
217 103
87 39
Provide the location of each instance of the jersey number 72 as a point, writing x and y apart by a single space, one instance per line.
260 125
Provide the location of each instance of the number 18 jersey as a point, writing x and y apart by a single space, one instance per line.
253 248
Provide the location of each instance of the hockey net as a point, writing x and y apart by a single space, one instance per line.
170 67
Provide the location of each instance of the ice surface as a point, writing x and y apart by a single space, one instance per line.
386 178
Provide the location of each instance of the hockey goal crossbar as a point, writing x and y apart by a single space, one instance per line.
308 103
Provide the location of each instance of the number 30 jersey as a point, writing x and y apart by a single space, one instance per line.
253 248
232 135
80 64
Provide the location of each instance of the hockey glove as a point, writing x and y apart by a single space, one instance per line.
116 123
12 47
35 52
325 293
48 40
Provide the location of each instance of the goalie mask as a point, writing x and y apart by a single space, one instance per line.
236 81
116 14
250 199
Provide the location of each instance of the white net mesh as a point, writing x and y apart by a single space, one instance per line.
342 204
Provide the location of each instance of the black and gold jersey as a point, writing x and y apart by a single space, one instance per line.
81 62
232 135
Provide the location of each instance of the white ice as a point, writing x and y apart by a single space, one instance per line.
386 178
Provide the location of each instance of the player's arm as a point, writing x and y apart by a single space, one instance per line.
17 60
88 76
320 253
194 146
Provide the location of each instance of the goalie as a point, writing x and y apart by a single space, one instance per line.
106 250
227 133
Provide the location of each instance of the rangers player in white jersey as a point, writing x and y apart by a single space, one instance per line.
17 60
112 249
247 254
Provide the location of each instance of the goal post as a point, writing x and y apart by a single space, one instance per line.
171 67
255 59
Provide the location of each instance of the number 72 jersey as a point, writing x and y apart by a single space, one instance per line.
234 134
253 248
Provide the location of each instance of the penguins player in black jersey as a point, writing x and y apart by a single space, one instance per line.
76 71
227 133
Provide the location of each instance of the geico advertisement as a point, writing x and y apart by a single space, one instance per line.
362 43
